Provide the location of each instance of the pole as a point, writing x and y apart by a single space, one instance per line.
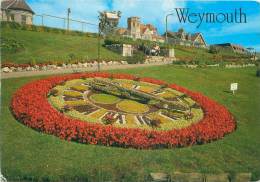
42 20
99 35
166 27
68 20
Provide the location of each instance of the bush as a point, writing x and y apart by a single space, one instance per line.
136 58
213 50
11 45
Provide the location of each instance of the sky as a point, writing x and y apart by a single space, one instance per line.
154 12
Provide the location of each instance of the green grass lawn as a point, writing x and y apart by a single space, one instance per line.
203 56
29 154
46 46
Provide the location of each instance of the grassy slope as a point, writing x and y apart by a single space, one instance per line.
27 153
44 46
203 55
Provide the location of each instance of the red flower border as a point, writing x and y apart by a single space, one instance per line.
31 107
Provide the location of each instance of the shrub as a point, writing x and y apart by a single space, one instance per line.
136 58
32 62
11 45
213 49
71 56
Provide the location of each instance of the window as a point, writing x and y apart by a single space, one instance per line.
8 17
23 19
12 17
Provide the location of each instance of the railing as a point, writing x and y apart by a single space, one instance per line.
64 23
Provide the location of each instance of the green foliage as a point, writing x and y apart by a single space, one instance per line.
125 40
11 45
213 50
138 57
71 56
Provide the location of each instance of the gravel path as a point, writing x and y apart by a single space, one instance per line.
73 70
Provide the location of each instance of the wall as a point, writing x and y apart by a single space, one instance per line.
17 16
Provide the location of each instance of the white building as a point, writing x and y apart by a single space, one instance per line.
16 11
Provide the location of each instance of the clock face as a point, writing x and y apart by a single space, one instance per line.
125 103
120 110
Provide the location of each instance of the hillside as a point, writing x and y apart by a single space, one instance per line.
23 46
200 55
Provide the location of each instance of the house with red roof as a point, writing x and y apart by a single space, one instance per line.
136 30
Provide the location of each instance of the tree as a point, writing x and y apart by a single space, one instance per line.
108 25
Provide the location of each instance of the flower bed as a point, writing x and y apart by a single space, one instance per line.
132 106
31 107
104 98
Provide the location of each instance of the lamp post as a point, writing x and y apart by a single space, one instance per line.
166 26
68 19
99 36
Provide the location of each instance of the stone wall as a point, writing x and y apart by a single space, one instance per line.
153 59
198 177
125 49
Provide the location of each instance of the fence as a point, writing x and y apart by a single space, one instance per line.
64 23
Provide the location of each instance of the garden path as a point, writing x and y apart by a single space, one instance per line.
73 70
